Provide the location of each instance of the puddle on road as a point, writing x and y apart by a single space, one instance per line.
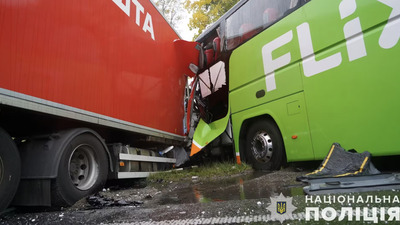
254 186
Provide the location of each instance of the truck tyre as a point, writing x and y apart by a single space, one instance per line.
82 171
264 146
10 169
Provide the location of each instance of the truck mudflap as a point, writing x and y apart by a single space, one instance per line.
206 133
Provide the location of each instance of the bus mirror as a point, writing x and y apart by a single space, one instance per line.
194 68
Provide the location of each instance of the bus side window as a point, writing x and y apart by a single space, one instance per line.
269 16
294 5
247 30
253 17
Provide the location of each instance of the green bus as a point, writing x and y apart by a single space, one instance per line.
284 79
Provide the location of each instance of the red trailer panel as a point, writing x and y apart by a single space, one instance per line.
110 59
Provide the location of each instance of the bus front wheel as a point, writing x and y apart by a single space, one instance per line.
264 146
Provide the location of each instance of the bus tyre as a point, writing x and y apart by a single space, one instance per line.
82 171
10 169
264 146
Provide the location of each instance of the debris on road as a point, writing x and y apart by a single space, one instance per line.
340 163
99 201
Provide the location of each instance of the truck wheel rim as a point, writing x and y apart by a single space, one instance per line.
83 168
262 147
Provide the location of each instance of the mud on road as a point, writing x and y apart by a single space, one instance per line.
241 195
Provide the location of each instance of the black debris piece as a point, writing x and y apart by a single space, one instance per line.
347 171
99 201
342 163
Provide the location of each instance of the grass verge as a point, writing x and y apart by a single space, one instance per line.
213 170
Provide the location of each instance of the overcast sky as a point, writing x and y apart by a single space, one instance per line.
183 28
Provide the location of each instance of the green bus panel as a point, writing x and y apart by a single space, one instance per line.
290 114
344 73
246 96
355 104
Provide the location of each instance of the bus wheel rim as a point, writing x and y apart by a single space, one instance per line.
262 147
83 167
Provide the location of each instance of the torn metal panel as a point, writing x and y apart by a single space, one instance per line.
205 133
334 185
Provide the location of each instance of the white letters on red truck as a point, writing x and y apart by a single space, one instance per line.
126 8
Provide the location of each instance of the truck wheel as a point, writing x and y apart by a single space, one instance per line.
264 146
10 169
83 170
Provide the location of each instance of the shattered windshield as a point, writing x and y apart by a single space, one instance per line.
213 79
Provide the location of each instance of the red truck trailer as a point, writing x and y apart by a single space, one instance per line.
81 82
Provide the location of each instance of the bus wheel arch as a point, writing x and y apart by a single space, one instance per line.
261 143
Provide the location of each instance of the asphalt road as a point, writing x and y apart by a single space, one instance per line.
242 199
235 199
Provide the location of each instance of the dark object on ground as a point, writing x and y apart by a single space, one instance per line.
99 201
353 184
347 171
341 163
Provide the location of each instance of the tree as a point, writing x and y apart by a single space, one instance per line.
206 12
172 10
